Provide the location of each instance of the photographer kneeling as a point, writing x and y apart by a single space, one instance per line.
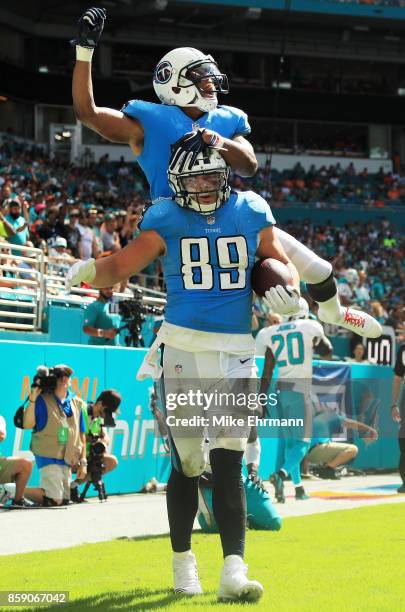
14 469
96 416
58 438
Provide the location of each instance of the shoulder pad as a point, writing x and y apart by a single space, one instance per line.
146 207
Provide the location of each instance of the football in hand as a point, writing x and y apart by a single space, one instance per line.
268 273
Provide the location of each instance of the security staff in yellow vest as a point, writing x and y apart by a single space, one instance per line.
58 439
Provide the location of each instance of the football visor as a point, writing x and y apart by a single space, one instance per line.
202 183
205 193
202 70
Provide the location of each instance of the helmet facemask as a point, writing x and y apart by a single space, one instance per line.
203 189
208 81
186 77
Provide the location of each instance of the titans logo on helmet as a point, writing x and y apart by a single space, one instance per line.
163 72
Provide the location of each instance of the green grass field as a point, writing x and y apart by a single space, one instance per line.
346 560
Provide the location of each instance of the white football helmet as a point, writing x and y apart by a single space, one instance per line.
302 313
208 165
177 79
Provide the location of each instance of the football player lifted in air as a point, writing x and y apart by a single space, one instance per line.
208 239
187 83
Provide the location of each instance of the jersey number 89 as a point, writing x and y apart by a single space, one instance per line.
197 270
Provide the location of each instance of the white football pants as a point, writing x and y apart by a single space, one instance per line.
205 385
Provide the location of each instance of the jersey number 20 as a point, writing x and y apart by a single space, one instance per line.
197 271
295 349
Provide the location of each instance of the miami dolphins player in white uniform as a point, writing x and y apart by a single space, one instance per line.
187 83
208 238
290 347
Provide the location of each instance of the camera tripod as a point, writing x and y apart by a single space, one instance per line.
99 485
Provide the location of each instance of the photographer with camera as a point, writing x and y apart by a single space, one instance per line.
99 324
99 462
58 438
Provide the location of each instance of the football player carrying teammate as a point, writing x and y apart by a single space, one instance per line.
208 238
187 83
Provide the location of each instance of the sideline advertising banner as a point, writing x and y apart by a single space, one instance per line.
136 441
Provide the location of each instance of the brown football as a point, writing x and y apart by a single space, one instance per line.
268 273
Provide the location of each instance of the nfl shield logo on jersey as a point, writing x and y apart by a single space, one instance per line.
178 368
211 220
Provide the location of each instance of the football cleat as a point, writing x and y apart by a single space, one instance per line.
185 576
355 321
235 585
300 494
278 485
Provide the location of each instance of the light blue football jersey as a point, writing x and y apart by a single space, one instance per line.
163 125
208 261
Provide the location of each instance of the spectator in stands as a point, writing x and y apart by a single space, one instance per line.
99 324
109 236
127 224
51 224
6 229
359 355
71 232
59 260
362 289
14 469
58 438
396 318
18 221
88 246
377 310
329 455
377 288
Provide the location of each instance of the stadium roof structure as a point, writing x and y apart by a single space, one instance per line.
56 18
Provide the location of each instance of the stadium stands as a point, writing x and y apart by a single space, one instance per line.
333 186
93 208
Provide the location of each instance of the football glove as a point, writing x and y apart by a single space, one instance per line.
89 28
255 479
81 272
284 300
185 151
